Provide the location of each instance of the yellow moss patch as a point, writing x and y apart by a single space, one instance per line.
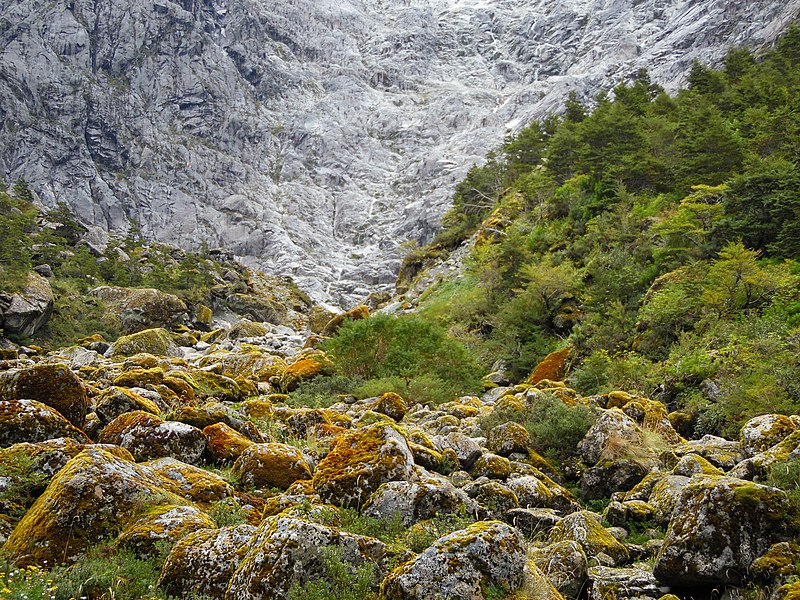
225 444
271 465
552 367
140 377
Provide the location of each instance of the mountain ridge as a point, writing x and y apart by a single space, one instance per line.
312 138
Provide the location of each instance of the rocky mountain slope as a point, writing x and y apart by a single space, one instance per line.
307 137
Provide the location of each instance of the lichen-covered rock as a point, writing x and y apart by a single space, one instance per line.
211 413
494 499
634 582
467 450
721 525
152 341
414 501
718 451
531 492
162 523
564 564
52 384
271 465
508 438
139 377
461 564
778 563
694 464
86 501
360 462
354 314
146 436
187 481
207 384
614 429
757 467
584 527
307 366
304 420
224 444
135 309
32 421
203 562
115 401
537 585
622 514
245 328
763 432
610 476
491 466
392 405
30 308
288 551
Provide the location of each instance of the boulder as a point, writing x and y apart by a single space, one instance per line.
564 564
203 562
461 564
414 501
271 465
494 499
721 525
610 476
288 551
532 522
146 436
224 444
584 527
162 523
359 462
392 405
212 413
718 451
634 582
29 309
508 438
156 341
135 309
88 500
765 431
115 401
609 436
467 450
491 466
32 421
52 384
187 481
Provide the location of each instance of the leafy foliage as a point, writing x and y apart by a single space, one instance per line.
406 354
655 234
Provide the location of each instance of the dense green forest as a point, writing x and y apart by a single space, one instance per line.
657 236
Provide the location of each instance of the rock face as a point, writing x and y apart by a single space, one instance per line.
312 137
27 311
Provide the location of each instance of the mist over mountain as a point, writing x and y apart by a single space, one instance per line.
313 138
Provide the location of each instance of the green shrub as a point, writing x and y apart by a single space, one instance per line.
407 348
321 392
227 512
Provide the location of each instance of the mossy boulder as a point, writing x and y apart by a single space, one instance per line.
289 551
414 501
777 564
720 452
467 450
203 562
261 407
694 464
552 367
765 431
721 525
304 368
392 405
564 564
491 466
52 384
147 437
531 492
758 467
152 341
359 462
211 413
271 465
610 476
30 308
88 500
162 523
32 421
245 328
115 401
584 527
224 444
508 438
612 435
622 583
207 384
188 481
139 377
494 499
461 565
135 309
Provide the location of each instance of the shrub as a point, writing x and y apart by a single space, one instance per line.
404 349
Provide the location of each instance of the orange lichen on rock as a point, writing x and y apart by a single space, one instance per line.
553 366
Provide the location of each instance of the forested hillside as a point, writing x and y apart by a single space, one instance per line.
657 236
